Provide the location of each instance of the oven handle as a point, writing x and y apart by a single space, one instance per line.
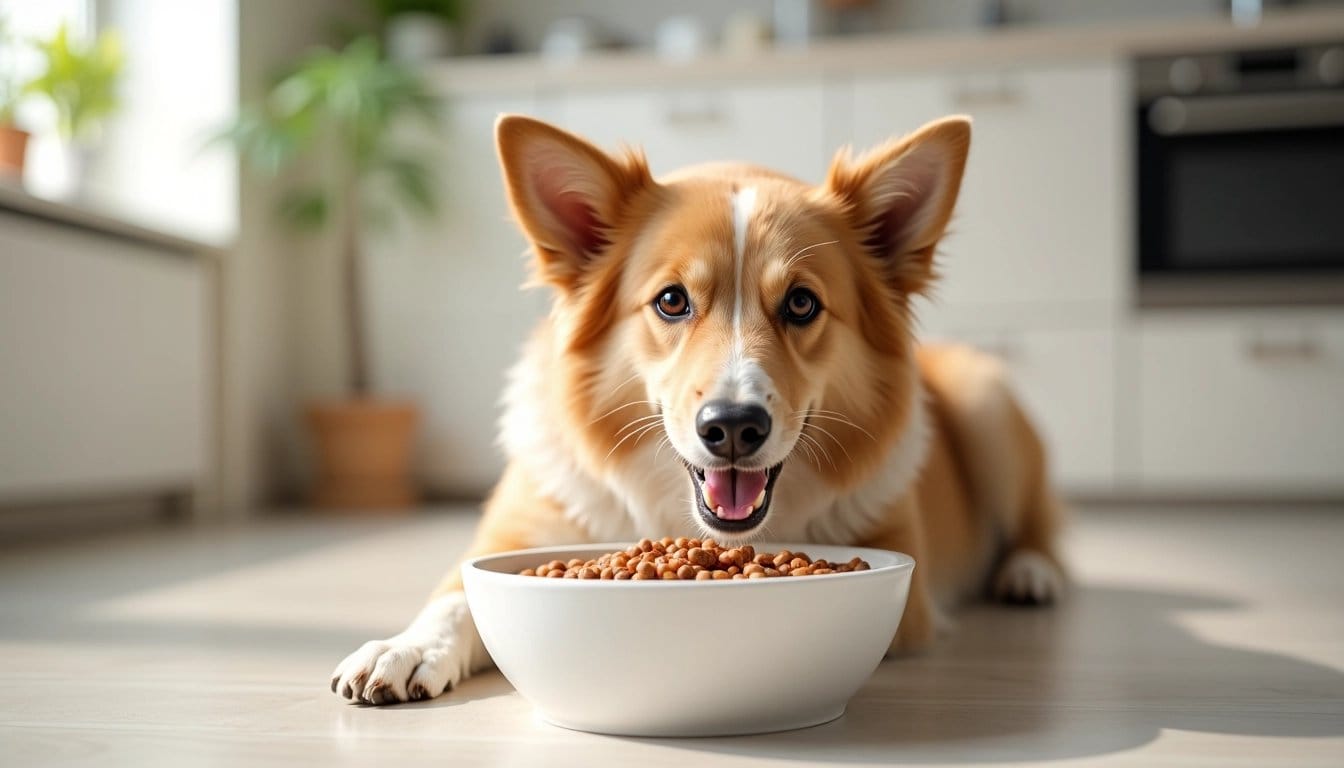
1176 116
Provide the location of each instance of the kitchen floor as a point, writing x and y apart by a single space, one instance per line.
1192 636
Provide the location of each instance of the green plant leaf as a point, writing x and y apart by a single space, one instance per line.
79 80
305 209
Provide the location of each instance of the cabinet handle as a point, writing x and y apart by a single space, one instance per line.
1002 95
685 116
1265 351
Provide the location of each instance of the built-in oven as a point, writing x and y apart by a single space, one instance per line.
1240 173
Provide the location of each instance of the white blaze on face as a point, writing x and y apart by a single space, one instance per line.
743 380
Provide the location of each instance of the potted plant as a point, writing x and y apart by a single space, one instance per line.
80 80
337 118
13 140
418 30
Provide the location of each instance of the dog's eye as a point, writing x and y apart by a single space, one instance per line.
672 303
800 306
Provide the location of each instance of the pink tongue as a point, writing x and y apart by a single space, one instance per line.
732 491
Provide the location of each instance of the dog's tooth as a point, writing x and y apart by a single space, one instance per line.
760 499
719 511
708 497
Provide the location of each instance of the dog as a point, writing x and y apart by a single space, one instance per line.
731 354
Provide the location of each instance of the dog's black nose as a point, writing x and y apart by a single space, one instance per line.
732 430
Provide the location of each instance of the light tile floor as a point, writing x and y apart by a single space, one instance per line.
1192 637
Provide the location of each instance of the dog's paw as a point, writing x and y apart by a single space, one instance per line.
439 650
1029 578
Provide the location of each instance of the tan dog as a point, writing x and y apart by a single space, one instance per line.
731 354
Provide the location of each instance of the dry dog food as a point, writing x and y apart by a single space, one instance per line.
685 559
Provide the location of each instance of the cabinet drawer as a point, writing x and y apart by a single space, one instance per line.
1234 404
778 126
1065 379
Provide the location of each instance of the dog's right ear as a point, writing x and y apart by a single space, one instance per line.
567 194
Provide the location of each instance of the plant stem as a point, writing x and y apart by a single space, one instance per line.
357 363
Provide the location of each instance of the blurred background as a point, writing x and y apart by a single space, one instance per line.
255 256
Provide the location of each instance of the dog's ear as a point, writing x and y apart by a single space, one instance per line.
899 196
567 194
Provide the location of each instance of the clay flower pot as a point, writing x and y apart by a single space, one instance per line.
13 145
364 450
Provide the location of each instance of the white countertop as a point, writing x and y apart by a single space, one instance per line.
97 216
885 54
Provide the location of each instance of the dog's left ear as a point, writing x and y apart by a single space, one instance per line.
900 195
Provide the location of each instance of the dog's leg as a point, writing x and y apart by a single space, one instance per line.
441 647
919 623
1030 572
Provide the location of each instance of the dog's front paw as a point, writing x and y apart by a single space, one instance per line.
438 651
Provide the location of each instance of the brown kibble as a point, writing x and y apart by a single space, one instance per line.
688 559
700 557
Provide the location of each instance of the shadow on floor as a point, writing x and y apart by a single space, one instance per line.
1106 672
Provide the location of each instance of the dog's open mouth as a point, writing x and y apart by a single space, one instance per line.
733 500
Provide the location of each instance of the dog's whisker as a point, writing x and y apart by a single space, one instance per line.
804 253
841 418
640 431
621 408
636 422
827 432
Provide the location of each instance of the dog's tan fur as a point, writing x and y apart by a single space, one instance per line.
882 443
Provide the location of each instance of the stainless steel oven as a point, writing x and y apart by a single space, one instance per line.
1241 164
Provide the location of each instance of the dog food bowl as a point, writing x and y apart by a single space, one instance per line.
687 658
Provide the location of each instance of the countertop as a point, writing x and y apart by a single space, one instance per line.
99 217
1190 637
886 54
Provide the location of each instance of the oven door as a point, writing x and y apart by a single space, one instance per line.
1242 183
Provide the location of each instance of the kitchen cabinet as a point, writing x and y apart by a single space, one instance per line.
1241 403
780 126
1065 380
1041 219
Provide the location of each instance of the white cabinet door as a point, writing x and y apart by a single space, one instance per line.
1236 403
105 364
1065 379
1042 217
447 316
778 126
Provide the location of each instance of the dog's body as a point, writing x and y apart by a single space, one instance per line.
731 355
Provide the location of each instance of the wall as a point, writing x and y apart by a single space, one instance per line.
279 316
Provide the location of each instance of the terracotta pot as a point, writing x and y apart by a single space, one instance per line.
13 145
364 450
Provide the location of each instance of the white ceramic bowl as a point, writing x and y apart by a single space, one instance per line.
687 658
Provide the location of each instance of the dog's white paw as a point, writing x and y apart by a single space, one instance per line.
437 651
1029 577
